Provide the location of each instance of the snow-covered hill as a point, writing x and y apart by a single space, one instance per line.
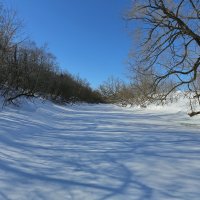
50 152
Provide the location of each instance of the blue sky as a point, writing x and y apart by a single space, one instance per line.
88 37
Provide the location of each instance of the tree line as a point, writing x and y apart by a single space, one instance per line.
27 70
165 55
165 59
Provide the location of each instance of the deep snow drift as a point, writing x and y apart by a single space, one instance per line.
50 152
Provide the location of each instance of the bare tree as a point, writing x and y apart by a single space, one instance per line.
112 90
142 83
10 27
170 41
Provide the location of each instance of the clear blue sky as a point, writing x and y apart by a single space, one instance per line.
88 37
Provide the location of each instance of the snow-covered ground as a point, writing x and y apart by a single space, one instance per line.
98 152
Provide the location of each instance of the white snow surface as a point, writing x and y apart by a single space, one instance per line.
98 152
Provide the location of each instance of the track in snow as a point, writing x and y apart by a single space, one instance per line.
97 152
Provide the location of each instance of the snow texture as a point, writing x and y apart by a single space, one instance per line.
98 152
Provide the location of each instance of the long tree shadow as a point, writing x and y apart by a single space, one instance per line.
112 154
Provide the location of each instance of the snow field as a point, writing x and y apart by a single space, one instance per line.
50 152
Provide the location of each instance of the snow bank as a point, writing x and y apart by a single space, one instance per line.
98 152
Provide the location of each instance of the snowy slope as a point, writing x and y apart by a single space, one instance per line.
50 152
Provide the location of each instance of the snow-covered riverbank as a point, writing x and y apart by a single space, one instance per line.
88 152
